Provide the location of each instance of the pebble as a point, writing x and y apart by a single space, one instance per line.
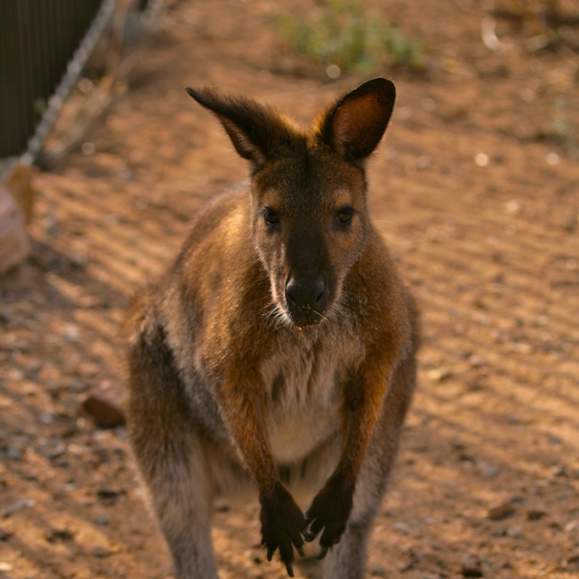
481 159
573 562
472 566
440 374
501 512
108 496
101 520
101 552
60 536
488 470
535 515
515 532
401 528
17 506
104 413
71 333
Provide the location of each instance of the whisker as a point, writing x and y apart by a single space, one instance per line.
320 315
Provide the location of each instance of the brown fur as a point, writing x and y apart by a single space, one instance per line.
231 380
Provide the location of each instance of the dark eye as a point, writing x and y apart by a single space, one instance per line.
271 217
345 214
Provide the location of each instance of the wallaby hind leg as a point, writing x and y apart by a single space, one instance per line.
347 560
169 455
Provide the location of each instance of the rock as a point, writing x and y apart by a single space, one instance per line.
440 374
60 536
109 496
401 527
472 566
501 512
515 532
535 515
572 562
101 520
488 470
101 552
17 506
103 412
377 571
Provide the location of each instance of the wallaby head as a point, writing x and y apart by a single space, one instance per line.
308 191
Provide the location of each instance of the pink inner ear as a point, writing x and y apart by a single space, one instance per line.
359 124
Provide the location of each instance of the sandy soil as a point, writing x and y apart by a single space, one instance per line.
476 200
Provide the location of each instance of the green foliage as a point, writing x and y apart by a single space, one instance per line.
341 33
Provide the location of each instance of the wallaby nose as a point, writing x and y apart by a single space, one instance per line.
304 293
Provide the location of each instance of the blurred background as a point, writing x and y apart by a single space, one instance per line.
104 160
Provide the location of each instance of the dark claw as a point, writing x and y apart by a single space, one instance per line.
282 525
323 553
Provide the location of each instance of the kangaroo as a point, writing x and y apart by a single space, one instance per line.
277 356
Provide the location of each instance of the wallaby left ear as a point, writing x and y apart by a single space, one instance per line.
257 132
354 126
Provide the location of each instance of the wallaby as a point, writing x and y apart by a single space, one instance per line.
278 352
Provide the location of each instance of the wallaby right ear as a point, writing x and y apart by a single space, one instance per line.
354 126
257 132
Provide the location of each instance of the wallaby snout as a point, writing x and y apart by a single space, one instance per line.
306 299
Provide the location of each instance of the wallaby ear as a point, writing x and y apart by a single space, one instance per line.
354 126
257 132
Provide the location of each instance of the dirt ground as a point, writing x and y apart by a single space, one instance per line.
479 202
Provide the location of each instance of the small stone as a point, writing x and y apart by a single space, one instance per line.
481 159
101 520
472 566
488 470
104 413
333 71
378 571
17 506
5 567
573 562
60 536
559 472
501 512
107 495
515 532
5 535
401 528
535 515
101 552
513 207
71 333
440 374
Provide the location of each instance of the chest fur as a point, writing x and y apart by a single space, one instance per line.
305 378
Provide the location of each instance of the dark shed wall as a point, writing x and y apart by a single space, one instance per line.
37 40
